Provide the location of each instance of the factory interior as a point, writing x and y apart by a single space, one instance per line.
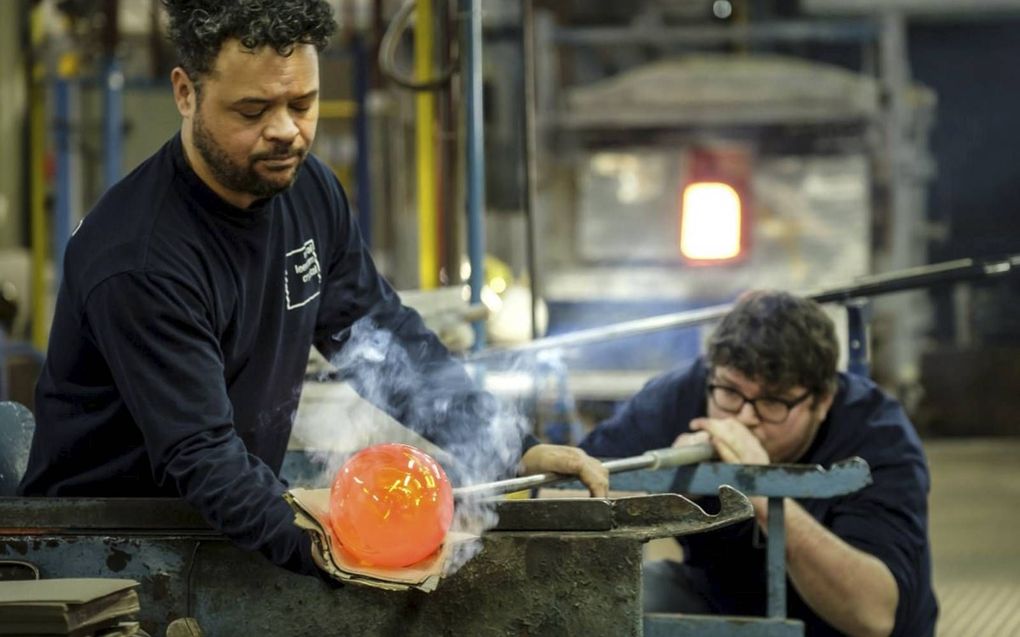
574 196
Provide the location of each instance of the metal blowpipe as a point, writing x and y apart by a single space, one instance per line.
655 459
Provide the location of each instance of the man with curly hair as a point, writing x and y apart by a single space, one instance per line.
767 391
196 287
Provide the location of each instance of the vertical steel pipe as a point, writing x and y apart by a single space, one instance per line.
858 359
530 157
471 17
361 131
776 560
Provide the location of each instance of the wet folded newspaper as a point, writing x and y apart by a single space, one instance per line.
311 509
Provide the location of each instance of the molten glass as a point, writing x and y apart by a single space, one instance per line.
391 505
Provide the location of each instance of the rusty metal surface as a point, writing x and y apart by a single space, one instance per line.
91 515
640 517
553 514
518 585
551 582
667 625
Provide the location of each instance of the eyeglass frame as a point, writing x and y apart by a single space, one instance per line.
789 404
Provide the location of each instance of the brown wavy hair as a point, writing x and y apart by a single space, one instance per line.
778 340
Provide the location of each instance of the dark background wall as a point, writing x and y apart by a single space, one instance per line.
976 141
972 66
970 386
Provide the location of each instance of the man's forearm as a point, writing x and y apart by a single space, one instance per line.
850 589
239 496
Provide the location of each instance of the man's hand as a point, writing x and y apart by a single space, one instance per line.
568 461
732 440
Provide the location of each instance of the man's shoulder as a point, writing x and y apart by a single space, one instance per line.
689 374
863 399
680 384
128 206
865 420
116 235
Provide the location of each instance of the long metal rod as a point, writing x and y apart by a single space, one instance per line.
919 277
792 31
625 328
863 287
655 459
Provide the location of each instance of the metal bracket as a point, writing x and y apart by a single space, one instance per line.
772 481
639 517
777 480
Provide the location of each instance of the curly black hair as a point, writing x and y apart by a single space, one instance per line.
779 340
198 28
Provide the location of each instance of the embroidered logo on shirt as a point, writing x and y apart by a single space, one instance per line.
302 277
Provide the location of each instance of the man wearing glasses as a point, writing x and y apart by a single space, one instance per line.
768 391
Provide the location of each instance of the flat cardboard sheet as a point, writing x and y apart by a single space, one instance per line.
311 509
65 606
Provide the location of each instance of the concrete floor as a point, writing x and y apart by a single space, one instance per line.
975 517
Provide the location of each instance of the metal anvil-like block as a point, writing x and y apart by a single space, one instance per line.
550 567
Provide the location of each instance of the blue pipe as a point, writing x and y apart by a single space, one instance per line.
62 89
472 71
857 316
361 123
113 121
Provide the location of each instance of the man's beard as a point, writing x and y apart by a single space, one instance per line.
242 178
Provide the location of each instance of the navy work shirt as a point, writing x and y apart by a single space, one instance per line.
180 341
887 519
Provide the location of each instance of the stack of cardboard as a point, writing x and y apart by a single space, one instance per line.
87 607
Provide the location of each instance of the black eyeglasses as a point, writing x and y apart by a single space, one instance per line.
768 408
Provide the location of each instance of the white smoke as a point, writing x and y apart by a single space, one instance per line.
479 439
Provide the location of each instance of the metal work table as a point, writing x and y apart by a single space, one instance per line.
550 567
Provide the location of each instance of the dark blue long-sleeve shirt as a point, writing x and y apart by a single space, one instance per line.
181 337
887 519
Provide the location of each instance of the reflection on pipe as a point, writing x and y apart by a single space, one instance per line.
472 74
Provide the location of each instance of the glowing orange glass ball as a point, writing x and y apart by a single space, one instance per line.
391 505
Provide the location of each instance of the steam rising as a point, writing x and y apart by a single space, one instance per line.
477 438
